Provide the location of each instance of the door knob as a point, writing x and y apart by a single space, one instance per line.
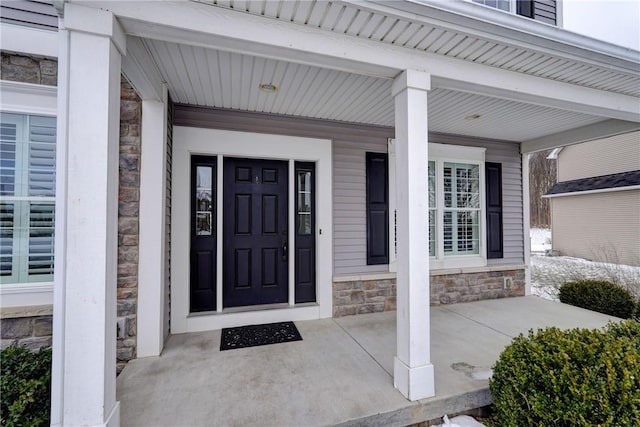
284 250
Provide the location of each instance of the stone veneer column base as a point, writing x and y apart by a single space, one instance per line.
360 295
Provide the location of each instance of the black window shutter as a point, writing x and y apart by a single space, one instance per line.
525 8
493 174
377 208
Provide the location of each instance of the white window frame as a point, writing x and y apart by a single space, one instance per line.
441 153
38 100
444 153
512 6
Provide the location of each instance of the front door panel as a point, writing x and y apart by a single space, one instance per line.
255 241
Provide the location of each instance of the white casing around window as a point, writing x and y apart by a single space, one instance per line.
443 153
27 98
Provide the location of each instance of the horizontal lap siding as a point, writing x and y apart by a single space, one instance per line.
616 154
545 11
349 209
602 227
350 143
29 14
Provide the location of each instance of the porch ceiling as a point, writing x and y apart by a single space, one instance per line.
420 25
214 78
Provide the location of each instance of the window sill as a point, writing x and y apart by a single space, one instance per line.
26 294
457 262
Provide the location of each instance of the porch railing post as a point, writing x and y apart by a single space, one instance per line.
413 372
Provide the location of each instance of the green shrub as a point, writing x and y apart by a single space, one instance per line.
599 295
25 387
579 377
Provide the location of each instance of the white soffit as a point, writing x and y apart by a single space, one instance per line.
212 78
360 20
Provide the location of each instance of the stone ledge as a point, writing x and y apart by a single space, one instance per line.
28 311
468 270
364 276
433 272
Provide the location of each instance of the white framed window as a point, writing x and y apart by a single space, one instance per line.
457 224
27 193
27 188
506 5
456 206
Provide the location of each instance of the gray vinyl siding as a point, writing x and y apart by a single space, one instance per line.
545 11
350 143
167 271
29 13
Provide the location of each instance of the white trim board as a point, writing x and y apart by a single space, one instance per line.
26 294
28 98
196 141
35 41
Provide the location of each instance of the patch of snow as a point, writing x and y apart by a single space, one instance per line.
482 375
549 273
460 421
540 239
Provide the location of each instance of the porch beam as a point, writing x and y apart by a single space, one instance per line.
212 27
413 373
140 69
603 129
151 260
84 336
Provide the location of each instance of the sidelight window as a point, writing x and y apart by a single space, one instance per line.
304 205
204 200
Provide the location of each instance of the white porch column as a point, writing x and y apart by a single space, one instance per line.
84 371
151 263
412 371
526 222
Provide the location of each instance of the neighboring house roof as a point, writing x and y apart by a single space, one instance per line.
604 182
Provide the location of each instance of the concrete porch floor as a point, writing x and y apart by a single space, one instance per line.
341 373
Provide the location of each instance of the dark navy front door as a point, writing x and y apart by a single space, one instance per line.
255 241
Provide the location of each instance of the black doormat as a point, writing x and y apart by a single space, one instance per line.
255 335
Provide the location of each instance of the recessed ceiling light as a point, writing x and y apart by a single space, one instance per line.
268 87
473 116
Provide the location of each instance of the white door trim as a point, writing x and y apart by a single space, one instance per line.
196 141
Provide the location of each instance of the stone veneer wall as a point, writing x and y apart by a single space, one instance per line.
29 69
32 326
28 328
376 295
128 221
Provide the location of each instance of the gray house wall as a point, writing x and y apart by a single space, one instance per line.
350 143
36 14
545 11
